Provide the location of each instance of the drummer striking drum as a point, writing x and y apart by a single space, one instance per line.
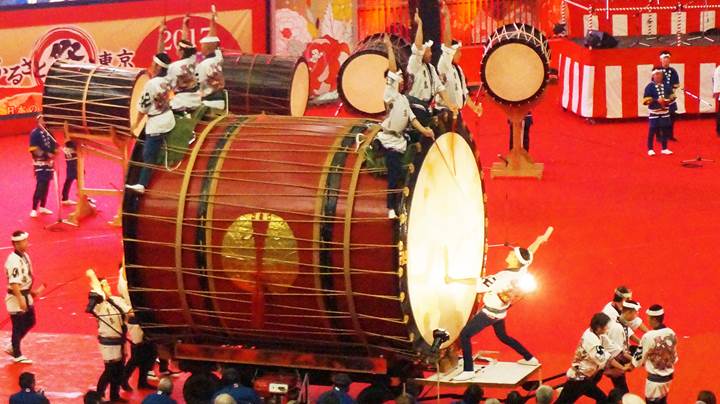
155 103
209 71
426 84
391 137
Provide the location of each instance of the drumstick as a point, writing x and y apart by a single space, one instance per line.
94 282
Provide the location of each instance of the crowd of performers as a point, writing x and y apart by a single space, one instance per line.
609 347
421 102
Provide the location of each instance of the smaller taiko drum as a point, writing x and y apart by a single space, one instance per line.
361 79
93 99
269 84
515 65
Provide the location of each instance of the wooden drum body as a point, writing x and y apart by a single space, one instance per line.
258 83
272 234
361 79
92 99
515 65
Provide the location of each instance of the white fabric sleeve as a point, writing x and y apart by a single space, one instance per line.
415 62
145 101
716 80
439 86
444 65
410 113
612 348
635 324
12 269
596 351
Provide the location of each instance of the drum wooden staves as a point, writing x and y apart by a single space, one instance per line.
273 234
361 79
515 65
258 83
92 99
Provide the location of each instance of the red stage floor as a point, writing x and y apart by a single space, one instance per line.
620 216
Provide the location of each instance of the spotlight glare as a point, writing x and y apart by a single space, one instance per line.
527 283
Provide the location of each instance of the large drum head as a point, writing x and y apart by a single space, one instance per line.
362 81
514 72
135 100
300 90
445 238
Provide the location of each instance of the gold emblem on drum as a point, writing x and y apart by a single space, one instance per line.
260 249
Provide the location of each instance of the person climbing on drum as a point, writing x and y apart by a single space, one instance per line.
453 78
209 71
500 291
155 104
181 74
425 84
391 138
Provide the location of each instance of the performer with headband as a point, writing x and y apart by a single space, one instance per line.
426 84
500 292
453 78
42 148
672 79
657 96
20 294
209 71
592 354
615 307
155 104
181 74
619 334
658 352
111 313
392 138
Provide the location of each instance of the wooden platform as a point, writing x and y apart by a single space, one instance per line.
493 374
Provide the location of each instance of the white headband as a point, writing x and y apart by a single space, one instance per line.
457 46
657 71
395 76
664 55
22 236
523 261
655 313
210 39
631 305
627 295
428 44
159 62
185 45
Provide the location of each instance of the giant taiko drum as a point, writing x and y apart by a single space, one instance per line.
273 233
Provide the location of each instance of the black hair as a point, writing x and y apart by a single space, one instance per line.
514 397
92 397
27 380
165 59
473 394
17 233
70 144
599 320
707 397
189 50
230 376
524 253
454 42
615 396
657 307
619 292
665 51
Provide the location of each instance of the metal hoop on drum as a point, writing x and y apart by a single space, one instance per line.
515 66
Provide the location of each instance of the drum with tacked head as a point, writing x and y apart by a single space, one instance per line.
257 83
361 79
515 65
272 233
93 99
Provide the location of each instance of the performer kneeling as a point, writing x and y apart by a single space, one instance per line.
155 103
391 137
591 356
658 352
501 290
110 312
